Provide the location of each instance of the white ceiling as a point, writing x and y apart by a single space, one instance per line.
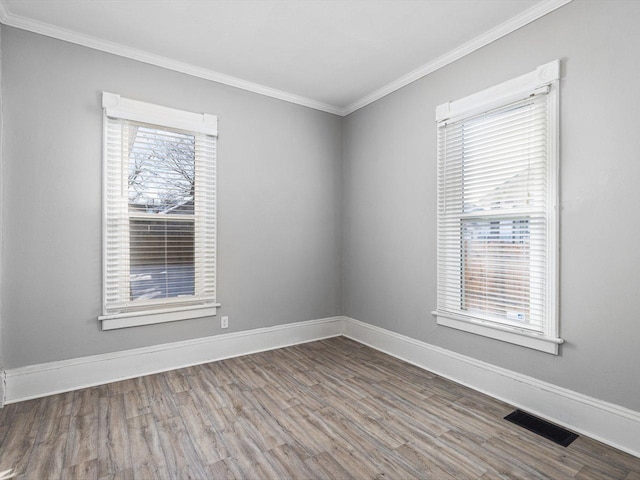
332 54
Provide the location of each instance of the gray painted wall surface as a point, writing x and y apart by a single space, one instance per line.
390 200
279 200
1 215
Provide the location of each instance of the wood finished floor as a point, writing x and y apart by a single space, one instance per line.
327 409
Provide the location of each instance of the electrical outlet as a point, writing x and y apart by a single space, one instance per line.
224 322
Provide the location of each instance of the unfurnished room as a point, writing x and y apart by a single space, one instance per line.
319 239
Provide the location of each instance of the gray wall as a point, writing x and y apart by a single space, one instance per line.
1 230
390 200
279 241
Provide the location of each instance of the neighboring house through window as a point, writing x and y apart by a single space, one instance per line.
159 214
497 211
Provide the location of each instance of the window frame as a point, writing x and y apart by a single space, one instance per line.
171 309
545 77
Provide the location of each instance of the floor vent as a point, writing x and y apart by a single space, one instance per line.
552 432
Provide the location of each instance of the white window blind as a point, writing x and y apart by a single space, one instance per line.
496 217
159 218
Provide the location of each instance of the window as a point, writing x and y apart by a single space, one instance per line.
497 218
159 232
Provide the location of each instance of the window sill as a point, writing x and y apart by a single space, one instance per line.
505 334
150 317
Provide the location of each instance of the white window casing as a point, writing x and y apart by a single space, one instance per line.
497 225
159 214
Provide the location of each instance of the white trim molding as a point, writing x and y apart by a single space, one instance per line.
530 15
521 337
129 109
35 26
606 422
44 379
535 82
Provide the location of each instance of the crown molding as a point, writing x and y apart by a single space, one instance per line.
524 18
17 21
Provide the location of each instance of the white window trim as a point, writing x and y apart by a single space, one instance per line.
116 106
546 76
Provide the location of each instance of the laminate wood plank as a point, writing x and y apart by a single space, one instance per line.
85 402
591 473
113 439
324 465
237 399
227 469
260 429
308 398
151 472
7 413
237 445
492 475
127 474
204 383
354 443
423 427
178 380
327 390
425 465
160 397
357 408
357 466
82 471
530 442
82 444
181 457
374 426
547 466
206 440
124 386
257 466
144 444
28 406
593 449
467 445
52 427
371 385
271 399
19 440
287 462
223 372
136 402
463 421
600 466
454 462
509 466
50 463
483 405
303 434
409 396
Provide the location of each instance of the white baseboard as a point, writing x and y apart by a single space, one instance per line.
62 376
606 422
609 423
